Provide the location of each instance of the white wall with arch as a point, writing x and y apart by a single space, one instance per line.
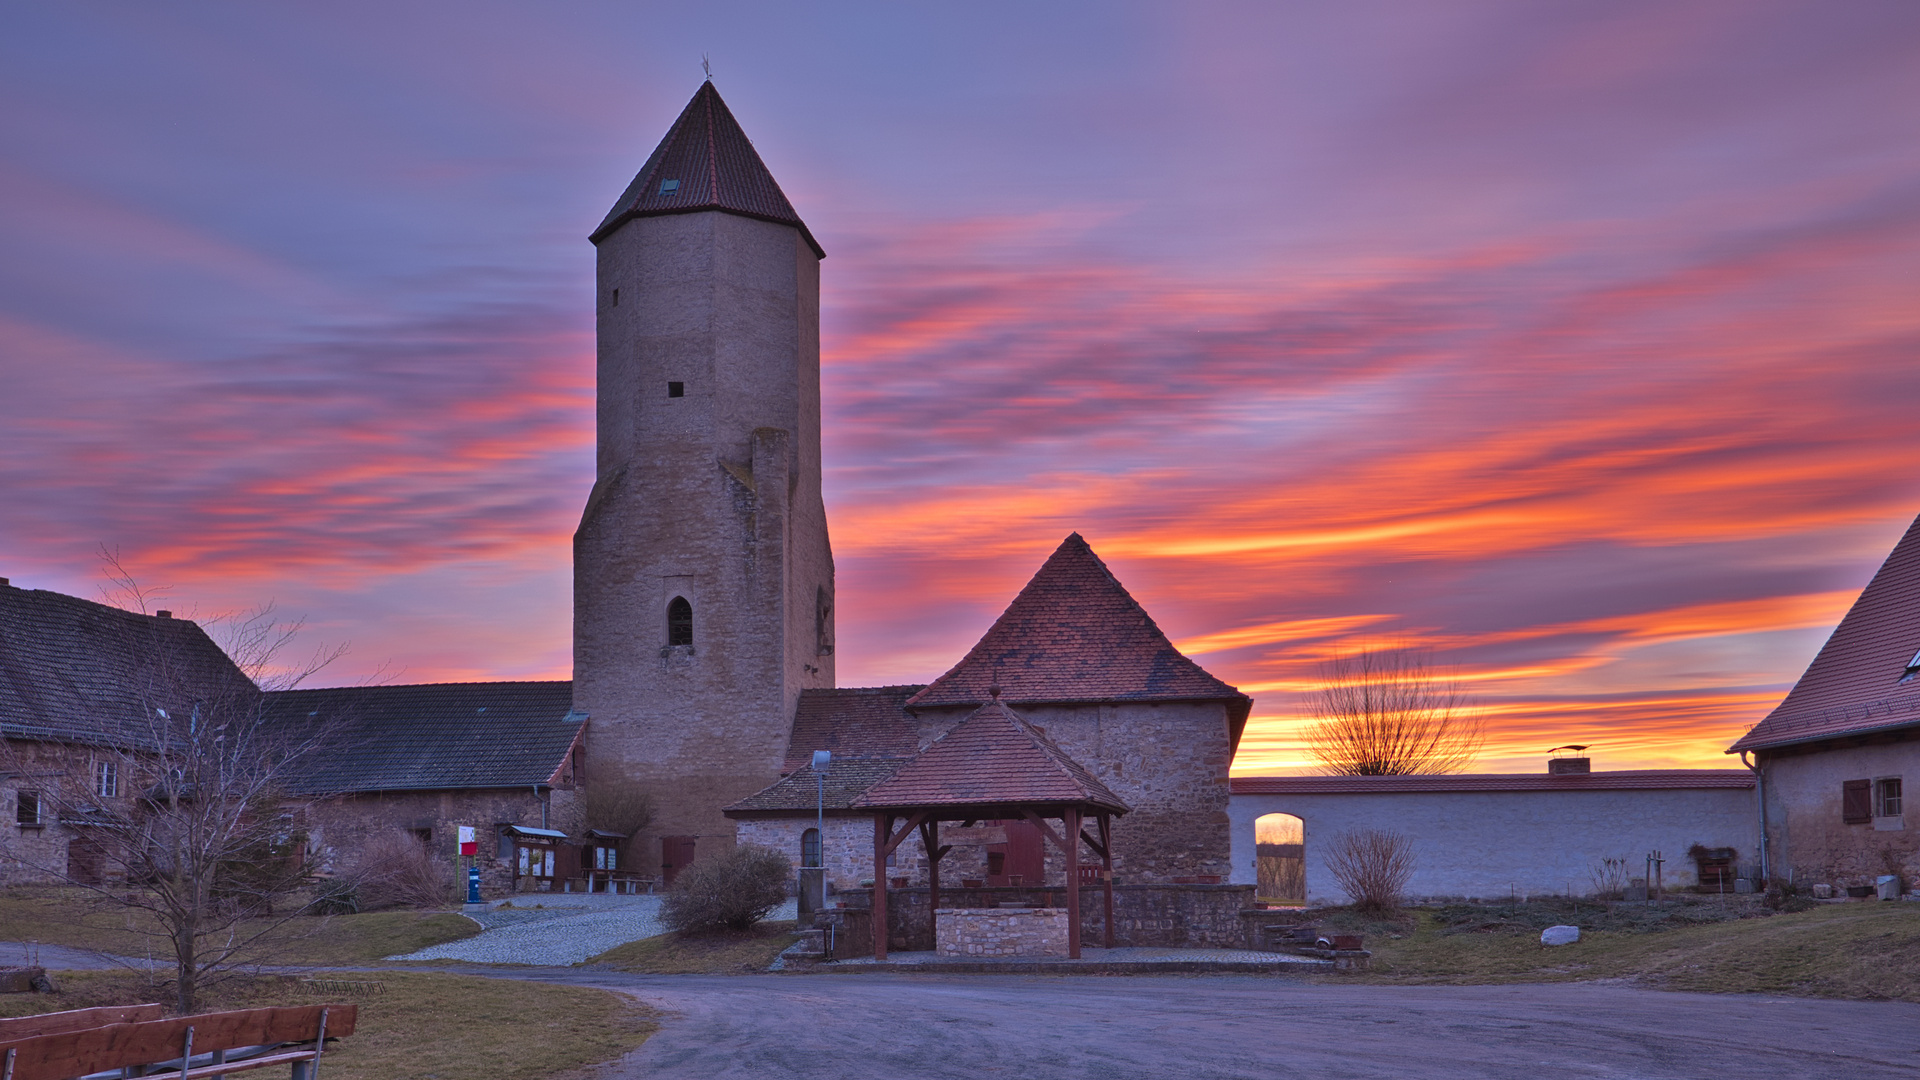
1491 844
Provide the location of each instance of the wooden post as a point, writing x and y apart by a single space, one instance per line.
1072 823
1106 871
930 839
882 825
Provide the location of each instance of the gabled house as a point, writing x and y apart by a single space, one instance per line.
83 687
1833 757
501 757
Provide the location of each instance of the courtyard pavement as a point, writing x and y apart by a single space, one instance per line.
1235 1026
557 930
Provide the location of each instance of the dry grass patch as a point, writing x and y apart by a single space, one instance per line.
726 953
418 1027
59 917
1858 951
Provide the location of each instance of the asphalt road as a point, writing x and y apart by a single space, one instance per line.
853 1027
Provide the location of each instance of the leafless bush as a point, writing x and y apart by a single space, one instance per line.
618 805
1385 712
1611 876
1373 866
730 891
394 869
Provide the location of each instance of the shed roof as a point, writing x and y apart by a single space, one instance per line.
1075 634
867 721
994 757
710 164
1855 684
847 779
1619 780
73 670
436 736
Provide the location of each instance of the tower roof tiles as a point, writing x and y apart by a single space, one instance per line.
705 162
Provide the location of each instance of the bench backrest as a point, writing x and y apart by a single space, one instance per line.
26 1027
68 1054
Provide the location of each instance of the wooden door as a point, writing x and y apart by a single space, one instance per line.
676 852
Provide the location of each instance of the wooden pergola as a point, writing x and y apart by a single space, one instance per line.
991 766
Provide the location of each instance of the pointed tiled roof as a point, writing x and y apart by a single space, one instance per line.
1854 684
705 163
1076 634
992 758
866 721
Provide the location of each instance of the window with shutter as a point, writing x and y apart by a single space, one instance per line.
1856 802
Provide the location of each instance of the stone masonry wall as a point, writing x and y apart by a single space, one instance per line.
978 932
340 825
1166 916
61 776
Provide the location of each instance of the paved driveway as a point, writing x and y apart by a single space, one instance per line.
852 1027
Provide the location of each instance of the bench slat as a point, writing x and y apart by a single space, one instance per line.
27 1027
69 1054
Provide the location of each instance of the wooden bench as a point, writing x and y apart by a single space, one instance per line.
188 1047
26 1027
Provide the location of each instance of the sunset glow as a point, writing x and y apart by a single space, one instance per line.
1577 344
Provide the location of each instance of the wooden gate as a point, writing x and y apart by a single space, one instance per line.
676 852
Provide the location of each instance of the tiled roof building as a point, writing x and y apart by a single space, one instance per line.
992 758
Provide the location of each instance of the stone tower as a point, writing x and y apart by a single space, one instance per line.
703 578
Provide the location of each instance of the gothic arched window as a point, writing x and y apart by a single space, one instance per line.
679 621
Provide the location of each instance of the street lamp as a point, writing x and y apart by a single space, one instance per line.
821 759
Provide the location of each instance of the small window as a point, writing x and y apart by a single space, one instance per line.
575 767
679 622
810 848
424 837
1856 801
26 808
1913 668
616 298
676 389
106 779
1886 797
668 187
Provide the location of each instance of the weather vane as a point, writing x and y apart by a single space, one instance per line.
706 66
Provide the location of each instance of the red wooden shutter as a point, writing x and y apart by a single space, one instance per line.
1856 801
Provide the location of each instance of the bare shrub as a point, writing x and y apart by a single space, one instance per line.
618 805
1386 712
1373 866
729 891
396 870
1611 876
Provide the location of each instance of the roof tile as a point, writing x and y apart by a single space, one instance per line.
705 162
994 757
1854 684
1075 634
867 721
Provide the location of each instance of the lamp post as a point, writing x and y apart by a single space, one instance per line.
821 760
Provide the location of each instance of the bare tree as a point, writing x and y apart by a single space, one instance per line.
1373 866
186 813
1386 712
618 804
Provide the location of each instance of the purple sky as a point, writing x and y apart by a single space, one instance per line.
1574 341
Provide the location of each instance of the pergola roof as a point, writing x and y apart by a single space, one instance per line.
992 758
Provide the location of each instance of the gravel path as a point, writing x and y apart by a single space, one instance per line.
559 931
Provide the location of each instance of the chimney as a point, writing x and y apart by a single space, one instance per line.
5 584
163 614
1568 760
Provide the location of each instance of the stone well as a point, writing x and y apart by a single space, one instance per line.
1006 931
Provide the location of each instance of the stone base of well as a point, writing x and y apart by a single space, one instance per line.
1004 931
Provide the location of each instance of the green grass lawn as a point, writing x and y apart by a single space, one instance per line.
411 1026
714 954
1867 951
69 917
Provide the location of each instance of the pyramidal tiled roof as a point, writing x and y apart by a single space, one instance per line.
847 779
1854 683
1075 634
72 670
992 758
434 736
706 162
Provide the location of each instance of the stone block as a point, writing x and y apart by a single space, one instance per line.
1559 935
